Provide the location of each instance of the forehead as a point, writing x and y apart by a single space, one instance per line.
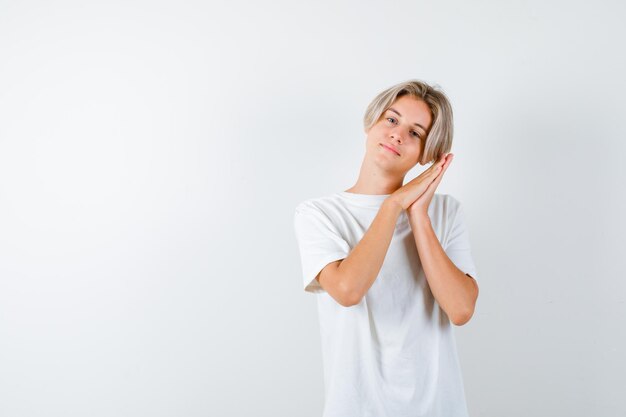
412 110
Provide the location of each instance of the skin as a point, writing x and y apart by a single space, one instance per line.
383 172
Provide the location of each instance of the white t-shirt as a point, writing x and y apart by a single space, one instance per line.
393 354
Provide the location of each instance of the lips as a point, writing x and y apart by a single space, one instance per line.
391 148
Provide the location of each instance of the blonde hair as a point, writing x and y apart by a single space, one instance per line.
439 135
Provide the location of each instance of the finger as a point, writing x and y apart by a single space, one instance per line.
443 169
440 166
436 180
435 183
433 170
430 190
447 163
428 173
439 163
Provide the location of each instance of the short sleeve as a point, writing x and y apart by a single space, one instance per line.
319 243
458 244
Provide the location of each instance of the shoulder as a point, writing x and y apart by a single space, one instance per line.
317 204
317 215
446 215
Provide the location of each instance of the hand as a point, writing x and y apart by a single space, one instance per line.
409 192
420 206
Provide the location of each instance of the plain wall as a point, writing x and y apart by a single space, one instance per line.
152 154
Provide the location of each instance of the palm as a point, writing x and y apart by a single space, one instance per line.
420 206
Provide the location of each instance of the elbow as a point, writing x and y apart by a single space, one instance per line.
352 301
349 297
461 318
346 295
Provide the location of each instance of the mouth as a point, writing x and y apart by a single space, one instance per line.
389 149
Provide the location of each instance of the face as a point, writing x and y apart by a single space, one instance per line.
396 141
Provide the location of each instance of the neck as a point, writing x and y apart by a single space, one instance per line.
372 180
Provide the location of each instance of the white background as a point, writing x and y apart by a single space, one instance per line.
152 154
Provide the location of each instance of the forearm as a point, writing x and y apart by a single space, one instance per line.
361 267
454 291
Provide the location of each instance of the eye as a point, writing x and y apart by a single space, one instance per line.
417 135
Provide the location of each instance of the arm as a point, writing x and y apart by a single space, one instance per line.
455 291
349 280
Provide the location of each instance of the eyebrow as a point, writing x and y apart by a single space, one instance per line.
396 112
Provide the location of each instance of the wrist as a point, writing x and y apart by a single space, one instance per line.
393 205
418 216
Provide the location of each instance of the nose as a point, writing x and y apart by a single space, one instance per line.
395 135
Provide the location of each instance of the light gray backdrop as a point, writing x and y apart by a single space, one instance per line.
152 154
